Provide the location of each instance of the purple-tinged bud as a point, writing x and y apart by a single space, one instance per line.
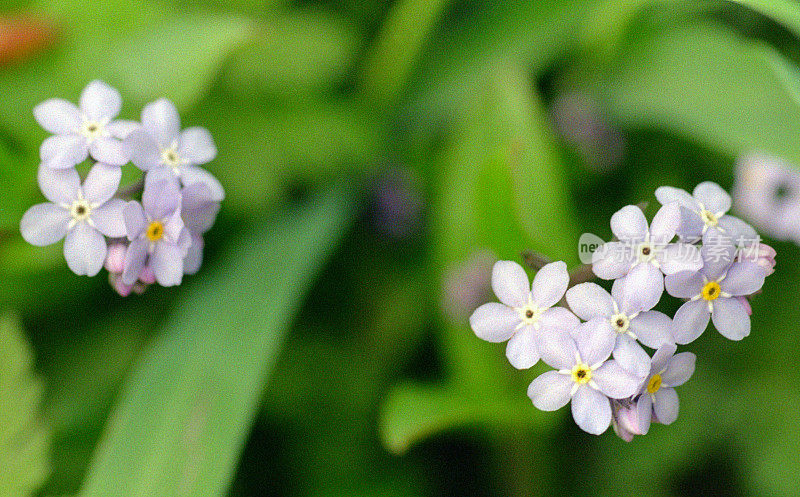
115 280
763 255
115 258
148 277
626 420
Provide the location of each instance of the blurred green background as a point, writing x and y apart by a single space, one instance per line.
377 157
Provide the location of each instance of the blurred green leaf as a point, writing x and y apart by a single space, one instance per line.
185 413
293 54
504 189
24 442
786 12
178 58
707 84
397 47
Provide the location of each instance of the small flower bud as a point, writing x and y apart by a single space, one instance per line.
115 258
148 277
115 280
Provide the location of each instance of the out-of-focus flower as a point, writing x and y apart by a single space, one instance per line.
199 211
85 129
398 201
580 120
157 234
767 192
165 152
80 214
468 285
525 311
645 250
583 374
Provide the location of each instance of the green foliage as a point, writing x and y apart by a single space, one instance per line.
24 441
709 85
198 386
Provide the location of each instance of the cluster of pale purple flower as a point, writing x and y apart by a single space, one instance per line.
692 248
140 243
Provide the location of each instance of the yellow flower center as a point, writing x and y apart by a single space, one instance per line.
710 291
581 373
709 218
654 384
155 231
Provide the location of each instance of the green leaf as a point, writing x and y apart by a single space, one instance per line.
185 412
786 12
397 48
504 190
178 58
707 84
24 441
293 54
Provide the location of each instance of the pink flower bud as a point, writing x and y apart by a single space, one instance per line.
148 277
115 280
115 258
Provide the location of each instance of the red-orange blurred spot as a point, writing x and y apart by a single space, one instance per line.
23 36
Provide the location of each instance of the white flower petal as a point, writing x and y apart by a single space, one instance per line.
558 318
595 340
718 254
617 382
63 151
549 284
679 369
666 405
59 186
121 128
677 257
510 283
44 224
591 410
143 149
684 285
133 216
590 300
713 197
631 357
494 322
667 194
556 348
134 260
197 146
521 350
690 321
161 120
85 250
100 101
57 116
194 258
550 391
197 209
730 318
108 218
661 358
743 278
652 328
629 224
648 281
644 411
111 151
101 183
167 261
612 260
192 174
666 223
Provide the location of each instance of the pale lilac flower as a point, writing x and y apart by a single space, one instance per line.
525 311
624 317
467 285
84 129
767 192
704 213
658 400
712 292
80 214
165 152
583 374
199 211
645 251
157 234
